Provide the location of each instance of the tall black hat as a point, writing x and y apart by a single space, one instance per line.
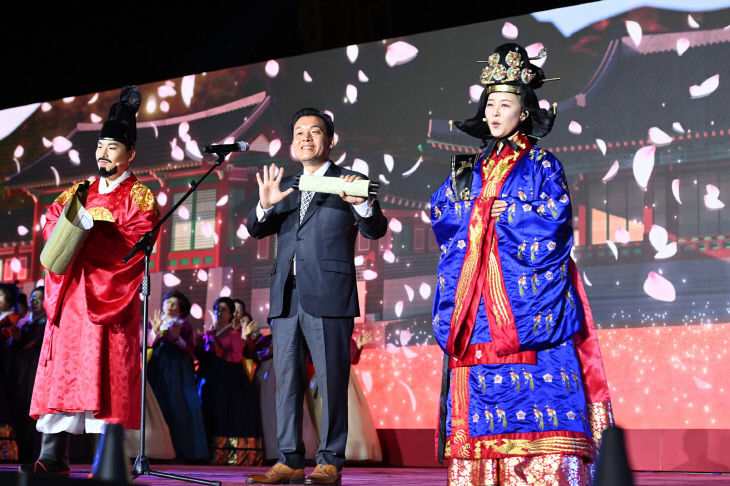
121 125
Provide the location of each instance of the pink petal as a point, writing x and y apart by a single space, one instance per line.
352 52
161 198
225 291
73 156
193 151
330 114
170 280
222 201
307 78
19 150
533 50
46 143
207 229
151 105
351 93
409 292
575 128
274 147
202 275
398 308
659 288
612 246
388 256
701 384
712 191
413 169
15 265
242 232
682 45
22 230
17 164
55 175
341 159
658 237
96 118
61 145
388 161
544 104
362 77
707 87
425 217
424 290
667 252
677 127
404 337
634 30
46 106
359 260
659 137
164 106
42 220
586 281
399 53
622 236
644 165
509 31
166 91
601 146
395 225
196 311
475 92
93 99
183 212
187 86
176 152
272 68
675 190
182 131
69 99
369 275
367 381
359 165
712 203
692 22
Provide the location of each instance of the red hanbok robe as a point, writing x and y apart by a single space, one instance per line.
90 359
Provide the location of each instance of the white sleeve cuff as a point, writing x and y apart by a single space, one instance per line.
364 209
261 213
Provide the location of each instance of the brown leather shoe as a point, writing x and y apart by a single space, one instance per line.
324 474
279 473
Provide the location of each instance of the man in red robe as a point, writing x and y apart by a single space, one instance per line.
90 370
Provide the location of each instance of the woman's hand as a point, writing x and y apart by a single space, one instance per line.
156 320
498 207
363 339
248 326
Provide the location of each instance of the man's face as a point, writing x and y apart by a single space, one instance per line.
36 301
113 158
311 144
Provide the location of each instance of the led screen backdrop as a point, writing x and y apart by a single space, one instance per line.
642 129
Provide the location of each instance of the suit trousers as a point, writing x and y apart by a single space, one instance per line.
328 342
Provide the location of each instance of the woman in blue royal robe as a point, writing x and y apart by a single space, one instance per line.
524 396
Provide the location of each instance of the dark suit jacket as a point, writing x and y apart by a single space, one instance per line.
324 244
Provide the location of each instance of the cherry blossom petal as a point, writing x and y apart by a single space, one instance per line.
359 165
161 198
388 256
170 280
692 22
701 384
95 118
307 78
242 232
395 225
424 290
409 292
177 153
207 229
388 161
414 168
19 151
69 99
187 86
475 92
369 274
17 164
544 104
533 50
612 246
634 30
165 91
202 275
659 137
509 31
351 93
659 288
404 337
677 127
381 178
55 175
274 147
586 281
164 106
93 99
682 45
601 146
352 52
183 212
658 237
22 230
272 68
644 165
425 217
675 190
575 128
61 145
222 201
667 252
341 159
46 143
711 198
362 77
15 265
42 220
367 381
399 53
193 151
155 130
611 172
712 191
183 130
225 291
707 87
45 107
329 114
151 104
196 312
398 308
359 260
622 236
73 156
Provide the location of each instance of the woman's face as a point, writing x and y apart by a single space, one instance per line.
503 113
172 307
4 302
238 313
223 313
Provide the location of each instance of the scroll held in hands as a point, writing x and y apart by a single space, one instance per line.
72 228
333 185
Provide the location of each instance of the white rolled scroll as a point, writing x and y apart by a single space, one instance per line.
333 185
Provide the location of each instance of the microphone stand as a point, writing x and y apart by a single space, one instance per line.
142 463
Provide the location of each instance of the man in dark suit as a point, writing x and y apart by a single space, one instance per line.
313 295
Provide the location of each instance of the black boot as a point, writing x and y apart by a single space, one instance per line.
53 458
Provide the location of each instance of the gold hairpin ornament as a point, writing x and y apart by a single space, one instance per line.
451 125
555 108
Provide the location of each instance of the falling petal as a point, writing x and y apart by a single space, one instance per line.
15 265
69 99
644 165
425 217
544 104
509 31
408 389
176 152
352 52
395 225
398 308
400 53
45 107
307 78
222 201
196 312
667 252
586 281
242 232
22 230
170 280
388 160
533 50
634 30
93 99
73 156
362 77
475 92
17 164
96 118
381 178
274 147
19 150
675 190
202 275
622 236
712 190
351 93
151 104
612 246
161 198
392 348
47 143
369 275
659 288
182 131
329 114
424 290
55 175
414 168
575 128
404 336
367 381
341 159
388 256
692 22
701 384
658 237
601 146
707 87
61 145
659 137
155 130
164 106
335 139
711 198
166 91
193 151
183 212
207 229
187 86
272 68
409 292
225 291
359 165
682 45
43 220
677 127
359 260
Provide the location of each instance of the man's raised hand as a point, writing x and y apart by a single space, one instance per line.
269 186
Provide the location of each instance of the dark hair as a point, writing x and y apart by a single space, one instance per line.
225 300
243 305
328 123
181 299
11 293
40 287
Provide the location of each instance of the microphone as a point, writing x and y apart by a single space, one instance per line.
226 148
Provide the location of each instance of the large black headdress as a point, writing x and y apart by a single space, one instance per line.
508 69
121 125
